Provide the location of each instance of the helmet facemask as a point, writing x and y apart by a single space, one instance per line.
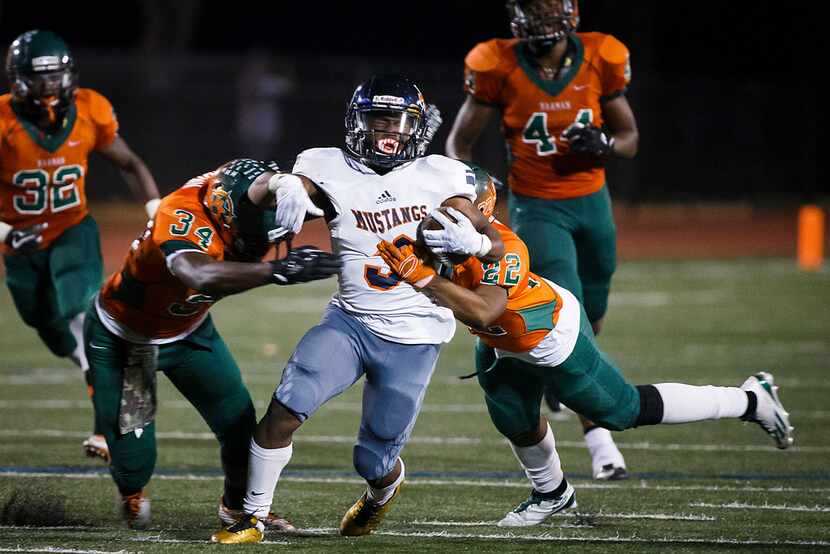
42 78
385 123
543 23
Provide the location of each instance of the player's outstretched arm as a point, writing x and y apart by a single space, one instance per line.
221 278
477 308
135 173
481 225
470 122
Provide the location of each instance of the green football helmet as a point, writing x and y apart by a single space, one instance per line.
244 227
42 77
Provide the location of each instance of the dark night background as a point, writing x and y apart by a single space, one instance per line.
724 92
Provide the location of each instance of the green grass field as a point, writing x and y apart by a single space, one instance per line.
701 487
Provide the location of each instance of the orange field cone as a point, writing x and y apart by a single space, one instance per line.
810 237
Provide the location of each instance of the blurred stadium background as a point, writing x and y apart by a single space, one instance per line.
725 99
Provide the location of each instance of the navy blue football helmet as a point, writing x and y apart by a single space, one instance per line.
386 122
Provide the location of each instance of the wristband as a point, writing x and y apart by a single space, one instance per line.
151 206
5 229
424 282
486 246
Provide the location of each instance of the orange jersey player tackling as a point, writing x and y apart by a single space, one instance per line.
206 242
539 337
533 305
536 112
144 300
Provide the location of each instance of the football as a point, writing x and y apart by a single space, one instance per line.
430 223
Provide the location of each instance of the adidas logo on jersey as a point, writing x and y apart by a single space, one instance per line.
385 197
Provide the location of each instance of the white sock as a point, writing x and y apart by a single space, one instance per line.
686 403
76 327
603 449
382 496
541 463
264 468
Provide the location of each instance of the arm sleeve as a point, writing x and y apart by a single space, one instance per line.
615 72
103 117
483 78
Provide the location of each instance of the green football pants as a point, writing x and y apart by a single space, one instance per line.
587 382
572 242
50 287
202 369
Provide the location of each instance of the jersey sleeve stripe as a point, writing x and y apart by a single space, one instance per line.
170 246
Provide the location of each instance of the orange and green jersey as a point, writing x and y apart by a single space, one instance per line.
43 177
535 111
532 304
144 302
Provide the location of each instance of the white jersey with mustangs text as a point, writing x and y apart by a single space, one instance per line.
371 208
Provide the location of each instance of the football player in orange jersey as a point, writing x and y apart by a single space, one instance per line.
48 128
205 242
561 99
535 334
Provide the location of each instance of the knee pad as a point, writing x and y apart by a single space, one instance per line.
375 459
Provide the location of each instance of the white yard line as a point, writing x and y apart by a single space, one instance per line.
625 515
61 550
430 482
443 441
743 506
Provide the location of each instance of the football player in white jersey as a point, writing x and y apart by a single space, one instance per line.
379 187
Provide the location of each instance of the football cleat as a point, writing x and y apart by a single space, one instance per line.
248 529
365 516
769 412
135 509
271 522
537 508
610 472
96 447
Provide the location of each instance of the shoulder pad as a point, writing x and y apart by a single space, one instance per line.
612 50
96 104
492 56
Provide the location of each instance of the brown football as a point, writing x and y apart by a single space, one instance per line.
431 224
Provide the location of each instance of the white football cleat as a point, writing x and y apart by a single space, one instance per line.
96 447
537 509
769 412
271 522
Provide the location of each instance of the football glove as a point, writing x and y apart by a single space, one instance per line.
588 139
27 240
457 237
406 264
306 263
293 202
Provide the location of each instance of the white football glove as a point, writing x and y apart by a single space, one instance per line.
293 202
456 238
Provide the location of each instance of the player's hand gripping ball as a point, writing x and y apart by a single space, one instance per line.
452 239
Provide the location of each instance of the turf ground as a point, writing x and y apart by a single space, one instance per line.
701 487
